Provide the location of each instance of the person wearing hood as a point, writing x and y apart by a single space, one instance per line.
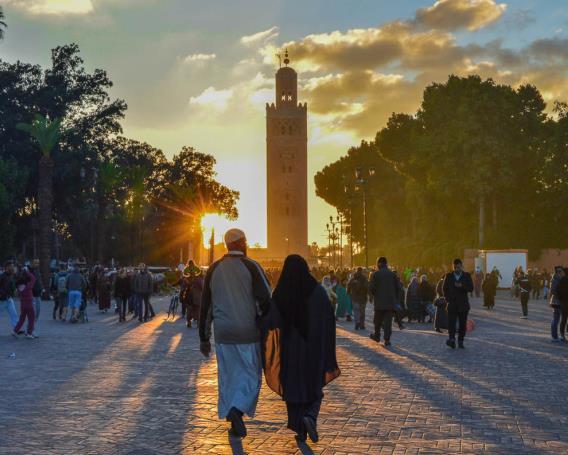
413 302
301 361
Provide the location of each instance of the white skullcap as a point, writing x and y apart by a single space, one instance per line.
234 235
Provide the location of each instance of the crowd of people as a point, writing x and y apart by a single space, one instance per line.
281 321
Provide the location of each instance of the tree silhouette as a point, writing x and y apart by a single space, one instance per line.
47 134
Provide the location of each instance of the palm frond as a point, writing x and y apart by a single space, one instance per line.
45 131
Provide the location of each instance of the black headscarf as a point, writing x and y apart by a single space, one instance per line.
293 290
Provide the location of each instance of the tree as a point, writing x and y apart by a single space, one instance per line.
3 24
474 152
108 191
47 134
12 186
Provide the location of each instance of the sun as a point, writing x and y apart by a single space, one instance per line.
217 222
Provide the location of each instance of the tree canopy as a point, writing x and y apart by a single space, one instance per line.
478 165
113 197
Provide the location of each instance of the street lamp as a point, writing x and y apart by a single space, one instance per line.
335 236
329 236
362 178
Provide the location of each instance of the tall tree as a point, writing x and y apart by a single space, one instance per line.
47 134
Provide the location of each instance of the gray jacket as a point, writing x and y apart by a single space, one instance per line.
235 292
75 282
383 289
143 283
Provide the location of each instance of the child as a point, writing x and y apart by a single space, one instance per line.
24 285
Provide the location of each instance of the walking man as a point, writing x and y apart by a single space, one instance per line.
75 284
358 289
457 285
235 293
143 286
525 290
383 290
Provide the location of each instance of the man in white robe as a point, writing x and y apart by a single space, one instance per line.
236 292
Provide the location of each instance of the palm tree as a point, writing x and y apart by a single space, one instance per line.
47 134
3 24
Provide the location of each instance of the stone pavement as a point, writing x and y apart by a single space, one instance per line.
105 388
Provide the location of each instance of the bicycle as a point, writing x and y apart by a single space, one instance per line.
174 304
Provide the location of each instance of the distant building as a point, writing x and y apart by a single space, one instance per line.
287 167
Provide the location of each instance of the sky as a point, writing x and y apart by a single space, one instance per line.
199 73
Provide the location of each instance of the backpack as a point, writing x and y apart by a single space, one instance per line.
62 284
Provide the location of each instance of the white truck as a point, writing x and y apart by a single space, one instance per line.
506 261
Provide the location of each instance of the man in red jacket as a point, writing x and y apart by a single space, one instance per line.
24 285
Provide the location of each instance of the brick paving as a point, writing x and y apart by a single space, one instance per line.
105 388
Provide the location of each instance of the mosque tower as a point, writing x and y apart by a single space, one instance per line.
287 167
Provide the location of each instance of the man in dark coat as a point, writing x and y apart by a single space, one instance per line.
525 289
457 285
383 290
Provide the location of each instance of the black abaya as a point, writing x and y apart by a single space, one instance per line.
299 350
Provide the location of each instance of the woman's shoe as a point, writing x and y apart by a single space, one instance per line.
311 428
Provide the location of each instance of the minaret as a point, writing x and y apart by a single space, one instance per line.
287 167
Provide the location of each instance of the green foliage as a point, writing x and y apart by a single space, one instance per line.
471 143
109 192
12 185
46 132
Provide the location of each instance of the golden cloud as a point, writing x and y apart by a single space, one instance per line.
356 78
456 14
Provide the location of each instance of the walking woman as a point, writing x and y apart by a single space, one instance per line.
301 359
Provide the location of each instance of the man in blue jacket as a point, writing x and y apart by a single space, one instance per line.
457 285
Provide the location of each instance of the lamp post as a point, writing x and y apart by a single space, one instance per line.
349 220
329 236
334 236
362 178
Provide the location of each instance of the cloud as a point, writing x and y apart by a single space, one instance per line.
53 7
456 14
213 97
354 79
198 58
260 37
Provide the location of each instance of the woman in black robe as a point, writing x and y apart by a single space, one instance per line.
299 349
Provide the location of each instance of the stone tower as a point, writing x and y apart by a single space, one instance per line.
287 167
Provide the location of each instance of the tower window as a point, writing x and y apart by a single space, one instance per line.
283 130
290 130
283 97
289 96
290 169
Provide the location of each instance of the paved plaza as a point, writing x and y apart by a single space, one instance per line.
105 388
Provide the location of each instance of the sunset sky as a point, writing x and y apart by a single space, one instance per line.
199 73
